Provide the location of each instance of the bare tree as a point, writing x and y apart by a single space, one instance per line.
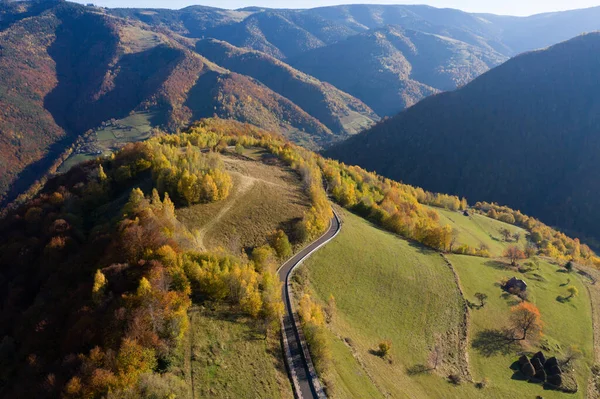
435 357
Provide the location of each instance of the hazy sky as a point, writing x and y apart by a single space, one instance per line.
506 7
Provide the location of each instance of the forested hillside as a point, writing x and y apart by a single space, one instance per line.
91 79
83 67
115 264
392 66
523 134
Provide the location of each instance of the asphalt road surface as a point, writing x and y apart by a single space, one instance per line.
307 390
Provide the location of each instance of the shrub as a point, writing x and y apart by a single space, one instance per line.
455 379
280 242
569 266
384 348
482 384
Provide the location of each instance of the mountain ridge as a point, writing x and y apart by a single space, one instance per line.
522 134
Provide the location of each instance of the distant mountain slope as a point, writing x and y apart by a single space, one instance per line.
264 29
524 134
392 67
339 111
446 47
82 67
542 30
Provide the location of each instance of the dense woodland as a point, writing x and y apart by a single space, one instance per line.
99 264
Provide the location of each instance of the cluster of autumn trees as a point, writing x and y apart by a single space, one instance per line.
216 135
547 241
396 207
188 173
110 282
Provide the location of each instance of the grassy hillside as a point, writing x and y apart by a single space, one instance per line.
264 198
231 359
523 134
476 230
387 288
566 324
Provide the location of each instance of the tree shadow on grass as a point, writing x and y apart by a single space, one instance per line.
492 342
499 265
417 369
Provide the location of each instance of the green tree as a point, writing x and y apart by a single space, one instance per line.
280 242
384 348
573 291
481 297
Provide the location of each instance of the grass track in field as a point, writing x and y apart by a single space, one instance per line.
386 288
263 199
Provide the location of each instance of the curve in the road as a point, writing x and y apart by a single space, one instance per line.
302 372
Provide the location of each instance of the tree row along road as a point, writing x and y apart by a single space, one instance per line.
305 382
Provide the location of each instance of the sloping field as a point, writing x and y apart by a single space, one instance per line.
387 288
263 198
229 358
475 230
565 323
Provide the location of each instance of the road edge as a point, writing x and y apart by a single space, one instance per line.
313 376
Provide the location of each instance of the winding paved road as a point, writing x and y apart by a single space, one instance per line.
299 368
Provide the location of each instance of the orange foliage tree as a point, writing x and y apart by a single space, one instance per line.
526 321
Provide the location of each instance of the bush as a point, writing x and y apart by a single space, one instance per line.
455 379
482 384
384 348
280 242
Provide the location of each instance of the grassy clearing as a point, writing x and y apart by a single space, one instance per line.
135 127
565 323
387 288
231 359
263 199
475 230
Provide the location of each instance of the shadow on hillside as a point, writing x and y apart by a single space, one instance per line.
498 265
84 50
35 171
417 369
492 342
422 249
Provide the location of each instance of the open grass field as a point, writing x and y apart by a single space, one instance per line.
263 198
135 127
565 324
387 288
475 230
229 357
